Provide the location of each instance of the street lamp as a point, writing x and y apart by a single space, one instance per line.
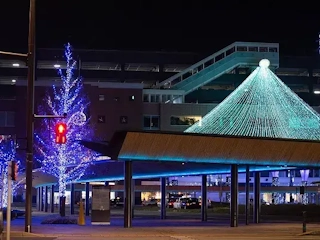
30 110
30 114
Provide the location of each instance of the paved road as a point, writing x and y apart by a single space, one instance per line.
148 226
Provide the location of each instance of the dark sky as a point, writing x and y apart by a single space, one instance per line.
200 26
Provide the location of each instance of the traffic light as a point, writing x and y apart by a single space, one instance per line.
14 171
61 133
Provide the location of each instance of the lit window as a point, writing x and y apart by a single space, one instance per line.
184 120
101 97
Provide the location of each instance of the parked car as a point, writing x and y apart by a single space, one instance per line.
150 202
187 203
171 201
117 202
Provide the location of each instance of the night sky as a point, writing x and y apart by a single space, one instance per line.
198 26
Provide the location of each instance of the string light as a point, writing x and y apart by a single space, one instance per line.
69 161
262 106
7 154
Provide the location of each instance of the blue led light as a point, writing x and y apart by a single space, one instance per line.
262 106
7 154
127 157
186 172
69 161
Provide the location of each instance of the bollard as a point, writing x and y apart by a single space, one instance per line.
304 221
1 224
81 219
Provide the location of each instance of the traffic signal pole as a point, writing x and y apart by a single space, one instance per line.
9 200
30 114
30 111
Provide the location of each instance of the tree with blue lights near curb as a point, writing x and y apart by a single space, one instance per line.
67 162
7 154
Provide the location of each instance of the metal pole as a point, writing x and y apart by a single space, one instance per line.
247 194
163 206
256 217
234 212
304 221
87 199
52 199
9 201
128 194
72 198
30 112
204 198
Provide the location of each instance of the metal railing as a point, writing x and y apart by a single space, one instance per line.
220 55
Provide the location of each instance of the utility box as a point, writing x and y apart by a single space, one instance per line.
100 207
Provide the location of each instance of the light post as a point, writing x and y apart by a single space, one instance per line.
30 114
30 111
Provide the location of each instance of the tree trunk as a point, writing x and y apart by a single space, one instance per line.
63 206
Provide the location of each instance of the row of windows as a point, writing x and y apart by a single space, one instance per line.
153 122
162 98
116 99
99 66
7 119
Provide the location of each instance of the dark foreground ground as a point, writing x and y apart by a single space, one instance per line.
178 226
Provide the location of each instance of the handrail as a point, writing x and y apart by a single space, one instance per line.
218 53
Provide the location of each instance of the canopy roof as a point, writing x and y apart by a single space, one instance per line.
187 147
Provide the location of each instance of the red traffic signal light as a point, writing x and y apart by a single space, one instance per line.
61 133
14 170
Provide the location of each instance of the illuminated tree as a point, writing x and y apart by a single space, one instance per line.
262 106
67 162
7 154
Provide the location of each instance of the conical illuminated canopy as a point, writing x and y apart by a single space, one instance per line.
262 106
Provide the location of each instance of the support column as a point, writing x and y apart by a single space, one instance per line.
291 176
133 198
275 183
41 199
257 200
228 194
52 199
163 191
304 182
72 202
204 199
247 194
46 199
234 214
87 199
128 194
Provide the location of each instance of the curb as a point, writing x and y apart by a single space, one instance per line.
23 234
310 233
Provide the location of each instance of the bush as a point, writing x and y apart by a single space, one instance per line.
60 220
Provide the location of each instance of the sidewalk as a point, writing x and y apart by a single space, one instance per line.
257 231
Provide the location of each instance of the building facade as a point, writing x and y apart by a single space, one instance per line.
125 92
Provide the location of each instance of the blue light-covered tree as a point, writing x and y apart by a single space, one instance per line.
68 162
262 106
7 154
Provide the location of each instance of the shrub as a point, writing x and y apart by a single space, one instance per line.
60 220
